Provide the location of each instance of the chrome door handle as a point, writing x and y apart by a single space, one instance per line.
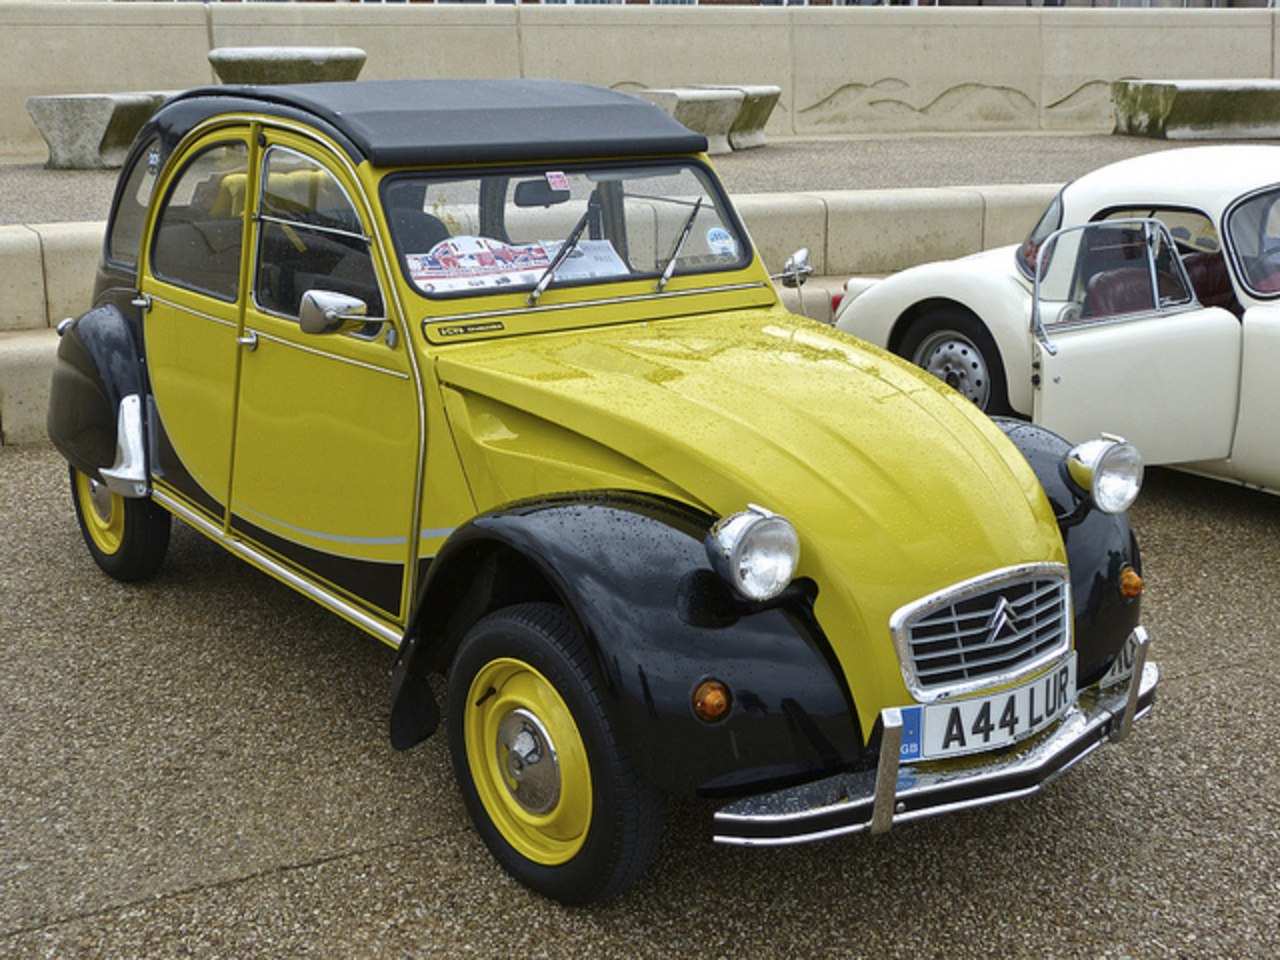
249 340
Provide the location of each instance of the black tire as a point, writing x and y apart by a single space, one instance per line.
957 348
582 829
127 538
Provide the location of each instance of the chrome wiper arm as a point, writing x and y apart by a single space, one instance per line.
566 248
675 252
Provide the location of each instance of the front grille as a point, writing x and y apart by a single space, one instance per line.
986 631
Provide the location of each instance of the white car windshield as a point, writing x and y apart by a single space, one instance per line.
1253 234
533 229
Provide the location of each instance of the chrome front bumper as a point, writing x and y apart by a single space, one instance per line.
897 793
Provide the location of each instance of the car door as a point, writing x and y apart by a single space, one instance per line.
1124 347
191 280
328 426
1255 453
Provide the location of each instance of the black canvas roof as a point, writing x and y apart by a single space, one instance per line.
405 122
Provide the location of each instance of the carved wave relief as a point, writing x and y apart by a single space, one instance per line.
887 105
1086 107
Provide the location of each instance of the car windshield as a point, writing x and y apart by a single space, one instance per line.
540 228
1253 233
1049 221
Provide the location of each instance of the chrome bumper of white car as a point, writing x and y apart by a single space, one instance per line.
896 793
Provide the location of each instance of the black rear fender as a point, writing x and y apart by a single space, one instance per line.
98 365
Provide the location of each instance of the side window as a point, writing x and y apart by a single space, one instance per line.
1109 269
125 239
310 237
1190 229
199 235
1200 248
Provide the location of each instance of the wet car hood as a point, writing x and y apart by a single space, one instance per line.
896 485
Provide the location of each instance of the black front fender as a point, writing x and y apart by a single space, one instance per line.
633 572
1099 546
98 364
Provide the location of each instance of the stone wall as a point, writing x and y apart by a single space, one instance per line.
845 70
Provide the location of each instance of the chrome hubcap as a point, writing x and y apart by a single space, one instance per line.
954 360
528 758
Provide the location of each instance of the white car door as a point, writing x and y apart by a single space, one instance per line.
1255 454
1114 357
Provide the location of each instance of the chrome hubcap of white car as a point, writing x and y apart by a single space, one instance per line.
953 359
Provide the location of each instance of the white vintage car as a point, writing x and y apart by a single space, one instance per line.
1144 303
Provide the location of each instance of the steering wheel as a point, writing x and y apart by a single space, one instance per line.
1264 271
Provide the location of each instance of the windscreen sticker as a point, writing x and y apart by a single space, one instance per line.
557 181
481 263
721 243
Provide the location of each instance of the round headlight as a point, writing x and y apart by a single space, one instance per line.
756 551
1110 470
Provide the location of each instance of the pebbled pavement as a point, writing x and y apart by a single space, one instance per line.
199 766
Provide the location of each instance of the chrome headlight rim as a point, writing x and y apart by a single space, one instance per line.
1109 469
755 551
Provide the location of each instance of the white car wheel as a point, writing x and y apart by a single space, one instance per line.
957 349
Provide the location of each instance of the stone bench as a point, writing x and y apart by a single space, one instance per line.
1197 109
757 106
286 64
91 131
710 111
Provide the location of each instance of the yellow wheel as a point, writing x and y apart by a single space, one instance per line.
102 512
541 773
528 761
127 538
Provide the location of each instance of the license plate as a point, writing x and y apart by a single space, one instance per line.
954 728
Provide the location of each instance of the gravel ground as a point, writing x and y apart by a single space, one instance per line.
199 767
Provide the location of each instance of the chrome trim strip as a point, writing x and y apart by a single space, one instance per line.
855 802
326 355
337 605
241 510
195 313
609 301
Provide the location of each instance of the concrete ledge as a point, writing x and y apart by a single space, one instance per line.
26 369
1197 109
22 280
71 252
47 270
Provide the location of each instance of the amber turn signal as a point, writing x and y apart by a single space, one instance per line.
711 701
1130 582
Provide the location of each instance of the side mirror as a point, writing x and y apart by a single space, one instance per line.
796 270
323 311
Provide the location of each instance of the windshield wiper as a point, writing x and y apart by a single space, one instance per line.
675 252
566 248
